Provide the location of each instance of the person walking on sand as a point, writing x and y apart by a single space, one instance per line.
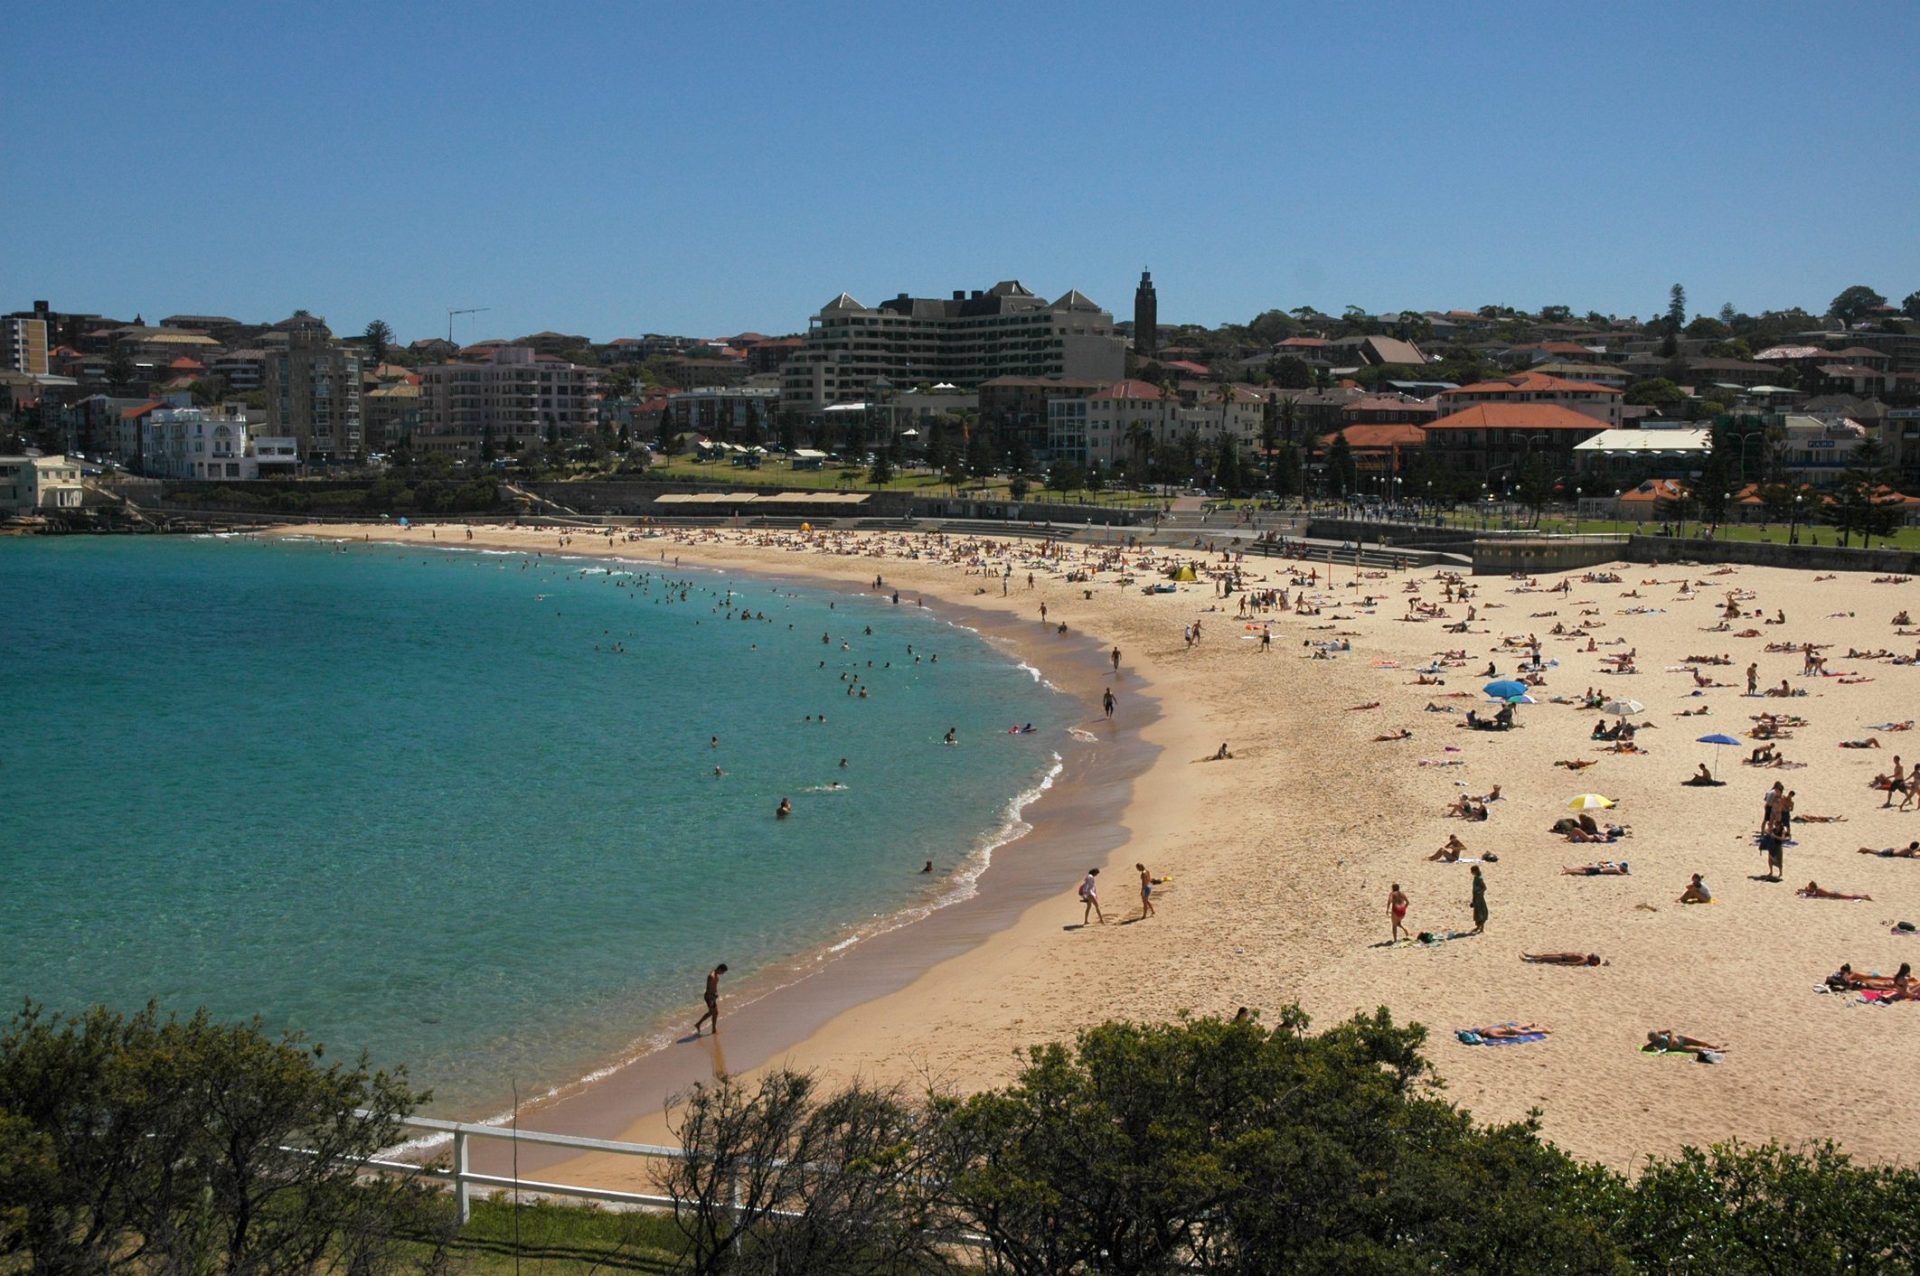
1146 892
1479 901
713 1000
1090 896
1106 702
1116 659
1753 679
1397 910
1897 784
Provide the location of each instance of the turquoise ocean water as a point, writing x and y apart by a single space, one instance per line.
396 799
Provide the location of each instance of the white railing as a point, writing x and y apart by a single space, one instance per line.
465 1178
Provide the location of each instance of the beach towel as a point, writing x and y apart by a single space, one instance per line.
1704 1056
1472 1037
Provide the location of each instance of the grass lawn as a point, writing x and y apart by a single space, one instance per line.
1905 538
557 1240
776 473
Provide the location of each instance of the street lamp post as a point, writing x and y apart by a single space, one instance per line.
1576 509
1616 509
1793 527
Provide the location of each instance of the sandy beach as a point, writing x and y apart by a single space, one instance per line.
1280 859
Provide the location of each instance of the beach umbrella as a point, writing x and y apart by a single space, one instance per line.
1623 707
1590 802
1718 740
1505 689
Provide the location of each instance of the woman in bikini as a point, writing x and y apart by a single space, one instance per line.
1676 1042
1813 890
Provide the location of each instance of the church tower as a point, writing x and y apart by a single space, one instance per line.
1146 318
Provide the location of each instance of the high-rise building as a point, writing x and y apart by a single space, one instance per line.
1146 317
960 342
313 394
23 344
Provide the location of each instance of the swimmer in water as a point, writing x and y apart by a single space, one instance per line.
952 738
928 867
786 809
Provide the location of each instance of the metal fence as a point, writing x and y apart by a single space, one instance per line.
464 1178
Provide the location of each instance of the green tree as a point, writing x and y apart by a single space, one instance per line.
120 370
1676 308
1217 1147
379 339
192 1146
1289 372
1910 307
1736 1210
1853 304
1342 473
1228 474
1065 476
1657 392
882 472
778 1178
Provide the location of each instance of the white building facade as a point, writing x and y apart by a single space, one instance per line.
192 443
38 483
962 341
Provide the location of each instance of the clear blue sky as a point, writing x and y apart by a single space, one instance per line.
617 168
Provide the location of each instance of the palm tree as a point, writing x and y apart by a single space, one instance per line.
1139 439
1225 395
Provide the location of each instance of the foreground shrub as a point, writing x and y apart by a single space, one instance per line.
190 1146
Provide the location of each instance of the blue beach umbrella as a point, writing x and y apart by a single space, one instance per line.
1505 689
1718 740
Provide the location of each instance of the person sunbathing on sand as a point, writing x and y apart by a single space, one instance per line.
1605 868
1813 890
1911 851
1564 959
1696 892
1222 754
1450 852
1675 1042
1401 734
1501 1032
1577 764
1701 778
1901 981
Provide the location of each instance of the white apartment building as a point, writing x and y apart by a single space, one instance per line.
1127 418
38 483
962 341
513 400
192 443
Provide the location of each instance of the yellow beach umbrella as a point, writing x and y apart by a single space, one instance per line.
1590 802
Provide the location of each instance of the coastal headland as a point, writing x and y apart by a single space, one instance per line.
1348 745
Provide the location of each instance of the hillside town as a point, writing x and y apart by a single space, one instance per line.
1709 413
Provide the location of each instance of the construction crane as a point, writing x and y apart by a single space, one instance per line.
471 310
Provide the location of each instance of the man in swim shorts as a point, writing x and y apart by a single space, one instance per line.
713 1000
1146 892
